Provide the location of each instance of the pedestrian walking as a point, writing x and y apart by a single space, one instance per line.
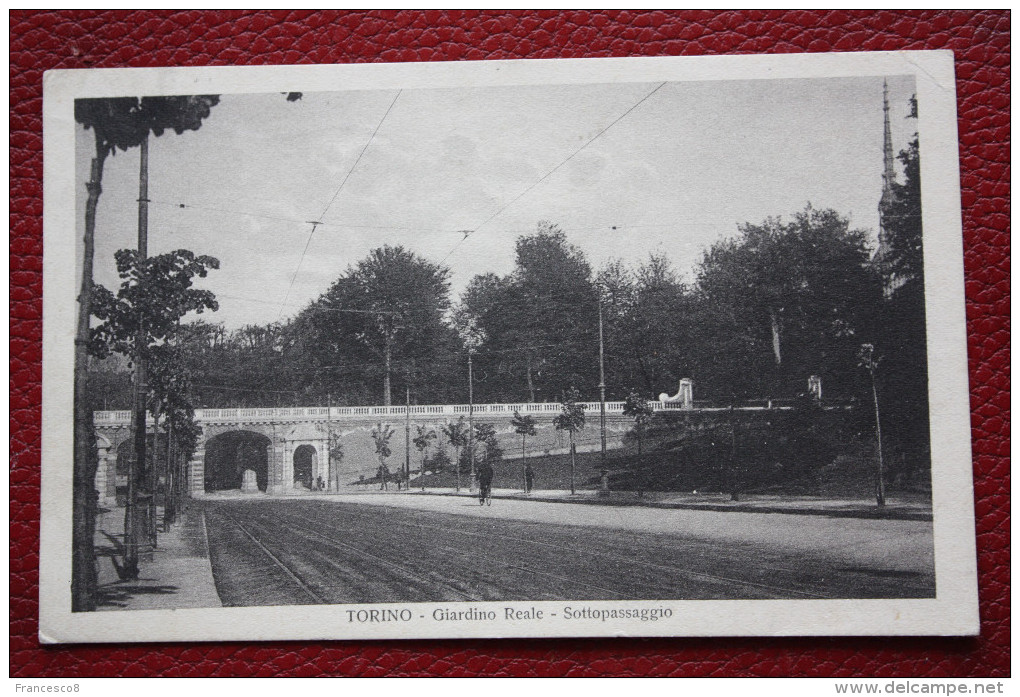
485 475
529 479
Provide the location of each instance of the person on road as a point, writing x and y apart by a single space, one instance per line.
485 475
529 478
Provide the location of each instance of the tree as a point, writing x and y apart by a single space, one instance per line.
154 294
117 124
485 434
523 426
618 293
169 384
540 322
456 433
657 334
571 420
784 300
440 461
422 440
638 408
381 437
901 339
391 303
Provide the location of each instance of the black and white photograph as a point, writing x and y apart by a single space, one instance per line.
532 348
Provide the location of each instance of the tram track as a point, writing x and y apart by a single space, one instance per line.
315 552
778 591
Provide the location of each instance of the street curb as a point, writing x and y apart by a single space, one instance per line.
863 513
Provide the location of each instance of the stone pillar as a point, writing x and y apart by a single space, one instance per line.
106 474
814 387
281 467
686 396
317 464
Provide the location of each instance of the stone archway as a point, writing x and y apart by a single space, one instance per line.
228 455
305 465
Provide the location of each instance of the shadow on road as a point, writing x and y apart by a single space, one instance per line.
118 594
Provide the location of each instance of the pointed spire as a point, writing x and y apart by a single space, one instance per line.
889 173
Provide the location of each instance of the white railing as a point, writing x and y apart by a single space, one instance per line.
291 414
320 413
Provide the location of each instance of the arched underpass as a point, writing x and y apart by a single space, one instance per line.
228 455
304 465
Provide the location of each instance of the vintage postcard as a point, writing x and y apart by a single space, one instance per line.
621 347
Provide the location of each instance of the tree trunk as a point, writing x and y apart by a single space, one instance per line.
880 482
154 476
388 358
170 489
734 473
531 383
524 461
774 319
84 575
573 457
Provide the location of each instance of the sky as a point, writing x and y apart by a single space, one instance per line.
625 169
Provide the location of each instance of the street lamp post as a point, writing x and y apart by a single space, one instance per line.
407 437
333 483
136 465
867 360
471 423
602 385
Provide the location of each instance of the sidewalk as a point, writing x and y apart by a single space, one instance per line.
894 509
176 575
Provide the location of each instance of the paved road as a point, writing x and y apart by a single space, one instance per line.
299 552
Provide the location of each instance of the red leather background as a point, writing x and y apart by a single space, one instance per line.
980 40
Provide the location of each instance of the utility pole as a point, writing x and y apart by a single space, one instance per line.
329 447
471 423
602 385
407 437
136 464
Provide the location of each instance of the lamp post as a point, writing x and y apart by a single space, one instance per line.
407 437
136 464
867 360
471 422
602 385
330 475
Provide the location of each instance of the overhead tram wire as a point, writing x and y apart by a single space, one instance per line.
316 223
264 216
550 172
678 220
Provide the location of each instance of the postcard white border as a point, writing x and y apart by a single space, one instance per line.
953 612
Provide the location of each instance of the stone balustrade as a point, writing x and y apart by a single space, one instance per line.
289 414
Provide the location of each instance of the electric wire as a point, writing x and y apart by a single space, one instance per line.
549 173
318 222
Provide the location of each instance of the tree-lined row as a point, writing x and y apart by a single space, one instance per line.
780 301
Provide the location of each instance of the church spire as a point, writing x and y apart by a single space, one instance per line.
888 175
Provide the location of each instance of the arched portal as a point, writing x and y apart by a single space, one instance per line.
304 465
122 462
228 455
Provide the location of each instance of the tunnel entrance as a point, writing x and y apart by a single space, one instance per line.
228 455
304 465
